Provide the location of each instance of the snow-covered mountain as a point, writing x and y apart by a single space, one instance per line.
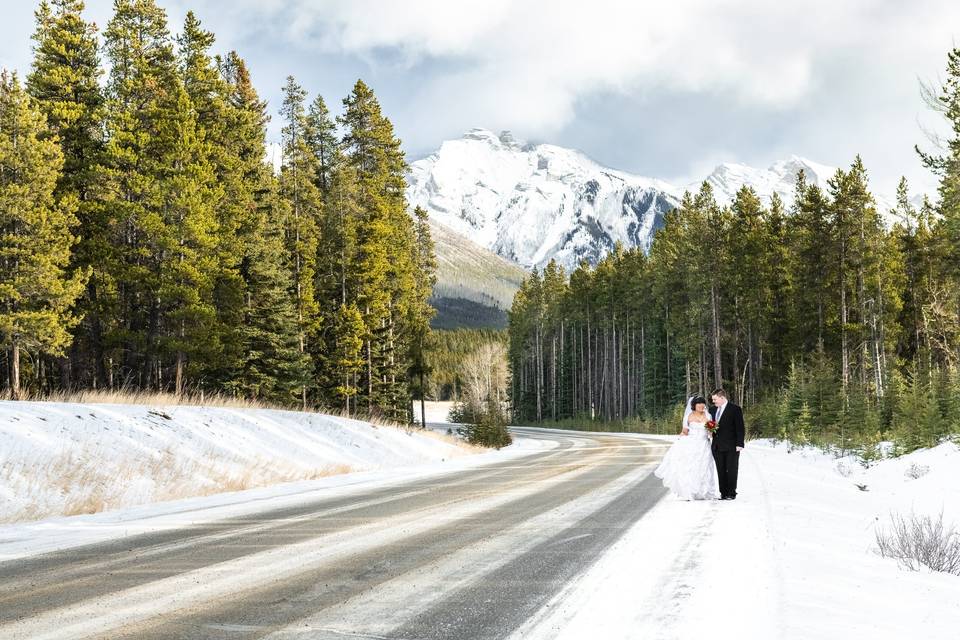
779 178
530 203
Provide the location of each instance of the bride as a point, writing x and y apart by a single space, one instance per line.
688 468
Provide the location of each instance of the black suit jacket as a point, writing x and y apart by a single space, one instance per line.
730 430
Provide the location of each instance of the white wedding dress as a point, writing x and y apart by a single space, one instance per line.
688 468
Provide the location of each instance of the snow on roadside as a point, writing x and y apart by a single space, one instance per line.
24 539
69 458
793 557
437 411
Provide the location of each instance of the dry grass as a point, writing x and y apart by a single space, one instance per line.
261 473
88 484
456 441
152 399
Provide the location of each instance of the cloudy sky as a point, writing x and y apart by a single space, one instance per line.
664 89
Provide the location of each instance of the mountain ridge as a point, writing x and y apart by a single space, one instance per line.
530 203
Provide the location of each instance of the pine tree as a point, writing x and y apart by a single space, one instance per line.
321 137
246 182
186 259
298 182
780 291
420 310
945 294
947 166
159 205
222 130
64 79
917 421
36 289
749 281
799 432
347 355
274 367
384 269
814 270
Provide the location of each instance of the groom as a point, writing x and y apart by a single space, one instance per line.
727 442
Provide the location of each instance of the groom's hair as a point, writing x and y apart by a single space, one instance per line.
719 392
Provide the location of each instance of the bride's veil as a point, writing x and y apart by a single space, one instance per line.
687 411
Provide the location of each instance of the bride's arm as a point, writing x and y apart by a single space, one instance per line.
685 430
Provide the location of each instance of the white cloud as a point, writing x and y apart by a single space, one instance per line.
761 52
525 65
830 78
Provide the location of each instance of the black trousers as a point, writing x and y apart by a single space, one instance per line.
728 464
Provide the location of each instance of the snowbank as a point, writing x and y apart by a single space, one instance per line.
68 458
793 557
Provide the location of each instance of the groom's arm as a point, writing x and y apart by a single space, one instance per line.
741 430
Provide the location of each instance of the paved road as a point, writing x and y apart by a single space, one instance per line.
468 555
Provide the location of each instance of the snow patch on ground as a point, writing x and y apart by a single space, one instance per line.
437 411
69 458
792 557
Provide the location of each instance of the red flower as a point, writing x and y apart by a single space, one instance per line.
712 426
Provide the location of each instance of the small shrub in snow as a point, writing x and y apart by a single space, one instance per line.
844 469
487 426
915 471
921 541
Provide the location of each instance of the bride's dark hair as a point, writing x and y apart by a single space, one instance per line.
697 400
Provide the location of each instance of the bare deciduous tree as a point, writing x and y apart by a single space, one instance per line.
484 374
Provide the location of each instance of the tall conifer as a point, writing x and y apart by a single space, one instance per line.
36 289
64 79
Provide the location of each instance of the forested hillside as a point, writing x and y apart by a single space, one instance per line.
475 286
147 246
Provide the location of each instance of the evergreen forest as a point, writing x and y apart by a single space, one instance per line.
146 245
829 320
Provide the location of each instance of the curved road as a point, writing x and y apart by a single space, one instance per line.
470 555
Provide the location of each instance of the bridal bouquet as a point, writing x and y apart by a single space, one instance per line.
711 426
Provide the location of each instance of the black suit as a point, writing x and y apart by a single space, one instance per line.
729 435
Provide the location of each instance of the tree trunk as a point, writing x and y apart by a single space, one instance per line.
538 366
553 378
15 370
643 365
423 403
666 331
178 375
717 366
844 355
369 377
589 397
178 379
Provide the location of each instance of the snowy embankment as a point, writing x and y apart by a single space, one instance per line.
67 458
793 557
